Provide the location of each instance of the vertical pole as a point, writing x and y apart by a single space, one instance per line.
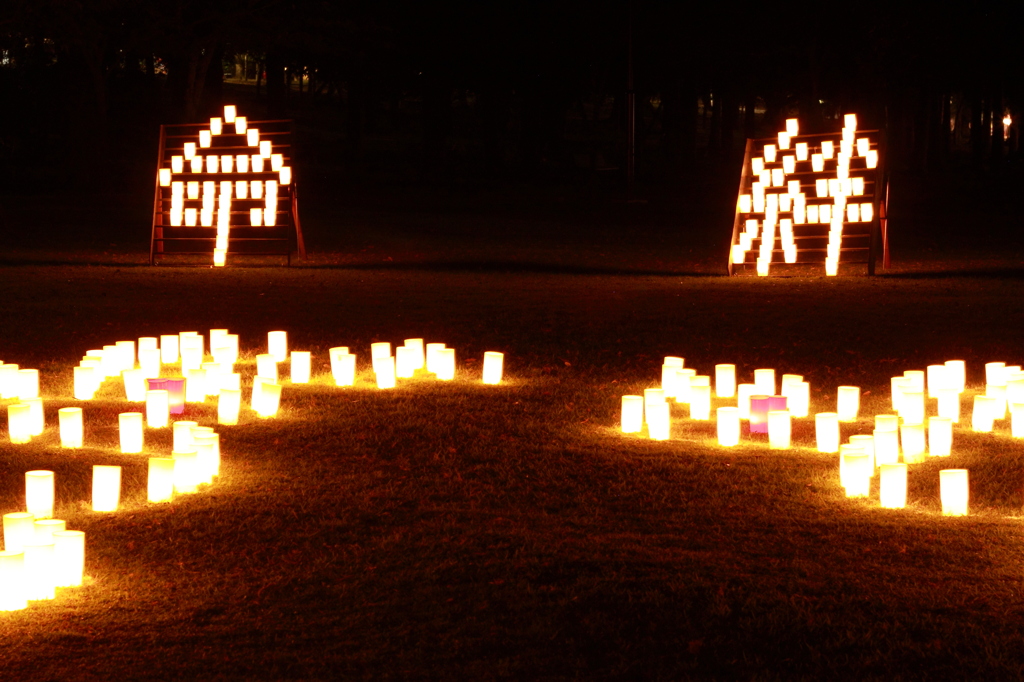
744 175
630 117
158 230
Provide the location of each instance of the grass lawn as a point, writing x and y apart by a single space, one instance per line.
473 532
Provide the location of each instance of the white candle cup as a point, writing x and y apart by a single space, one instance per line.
40 580
301 366
134 381
958 374
446 362
494 363
419 355
764 381
131 432
893 486
229 403
1017 420
384 369
277 345
982 416
857 473
913 438
13 593
887 447
743 393
106 488
160 484
997 392
343 368
186 475
266 367
71 427
913 411
168 349
69 554
28 384
848 403
405 362
45 528
779 429
949 404
19 530
181 434
940 436
826 431
659 422
39 493
158 409
19 423
994 372
954 492
700 402
725 380
84 386
867 444
632 418
728 426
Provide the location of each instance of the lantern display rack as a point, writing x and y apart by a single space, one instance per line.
239 232
812 204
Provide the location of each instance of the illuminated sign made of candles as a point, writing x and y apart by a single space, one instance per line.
805 183
204 183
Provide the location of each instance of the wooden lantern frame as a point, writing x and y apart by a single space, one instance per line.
279 240
863 241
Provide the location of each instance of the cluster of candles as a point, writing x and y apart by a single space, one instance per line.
25 417
772 194
412 356
39 554
909 432
215 197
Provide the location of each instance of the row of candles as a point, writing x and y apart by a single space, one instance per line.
201 379
794 200
771 414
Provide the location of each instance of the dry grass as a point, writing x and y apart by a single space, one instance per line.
469 531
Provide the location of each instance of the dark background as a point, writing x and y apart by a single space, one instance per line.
519 106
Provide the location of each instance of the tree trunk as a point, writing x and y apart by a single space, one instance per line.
275 85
